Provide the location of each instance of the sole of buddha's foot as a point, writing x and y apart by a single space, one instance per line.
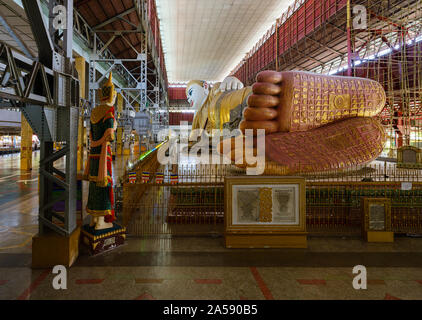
338 145
291 101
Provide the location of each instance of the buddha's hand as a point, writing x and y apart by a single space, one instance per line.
261 112
230 83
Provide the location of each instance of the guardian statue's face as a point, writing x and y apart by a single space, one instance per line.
196 96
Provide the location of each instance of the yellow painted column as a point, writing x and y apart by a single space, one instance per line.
136 147
120 103
80 68
119 133
126 147
119 141
26 144
136 106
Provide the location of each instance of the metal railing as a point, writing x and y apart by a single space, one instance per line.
194 204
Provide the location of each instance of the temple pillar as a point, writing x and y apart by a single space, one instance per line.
26 144
126 146
136 106
119 141
120 103
119 131
136 146
80 68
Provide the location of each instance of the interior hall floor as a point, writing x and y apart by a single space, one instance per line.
196 267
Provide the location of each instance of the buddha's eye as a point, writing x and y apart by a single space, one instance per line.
190 92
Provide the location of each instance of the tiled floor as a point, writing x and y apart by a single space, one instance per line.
18 203
203 269
197 267
19 200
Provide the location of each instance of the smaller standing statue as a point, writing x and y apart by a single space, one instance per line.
102 234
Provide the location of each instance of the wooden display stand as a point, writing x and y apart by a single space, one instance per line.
51 249
376 224
265 212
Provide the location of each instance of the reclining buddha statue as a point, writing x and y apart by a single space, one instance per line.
312 122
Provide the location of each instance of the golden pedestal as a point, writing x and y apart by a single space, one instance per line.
50 249
379 236
293 240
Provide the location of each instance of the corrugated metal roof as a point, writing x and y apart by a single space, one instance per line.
96 12
205 39
15 18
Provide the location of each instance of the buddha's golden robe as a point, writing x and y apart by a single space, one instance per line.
216 110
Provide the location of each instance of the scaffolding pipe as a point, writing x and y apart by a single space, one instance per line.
349 40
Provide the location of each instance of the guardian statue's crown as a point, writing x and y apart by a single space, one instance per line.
108 92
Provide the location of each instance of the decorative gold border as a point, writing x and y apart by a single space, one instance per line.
113 233
229 182
94 178
387 206
99 213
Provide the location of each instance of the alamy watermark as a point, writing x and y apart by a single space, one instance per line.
60 17
360 18
60 280
360 280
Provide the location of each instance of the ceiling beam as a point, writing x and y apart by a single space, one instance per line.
16 38
112 19
81 3
40 31
303 55
324 46
344 31
129 48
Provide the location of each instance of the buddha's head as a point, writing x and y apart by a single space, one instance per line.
197 92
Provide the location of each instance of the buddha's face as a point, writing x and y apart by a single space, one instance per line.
196 96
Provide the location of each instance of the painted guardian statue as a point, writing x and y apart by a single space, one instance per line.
312 122
98 169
